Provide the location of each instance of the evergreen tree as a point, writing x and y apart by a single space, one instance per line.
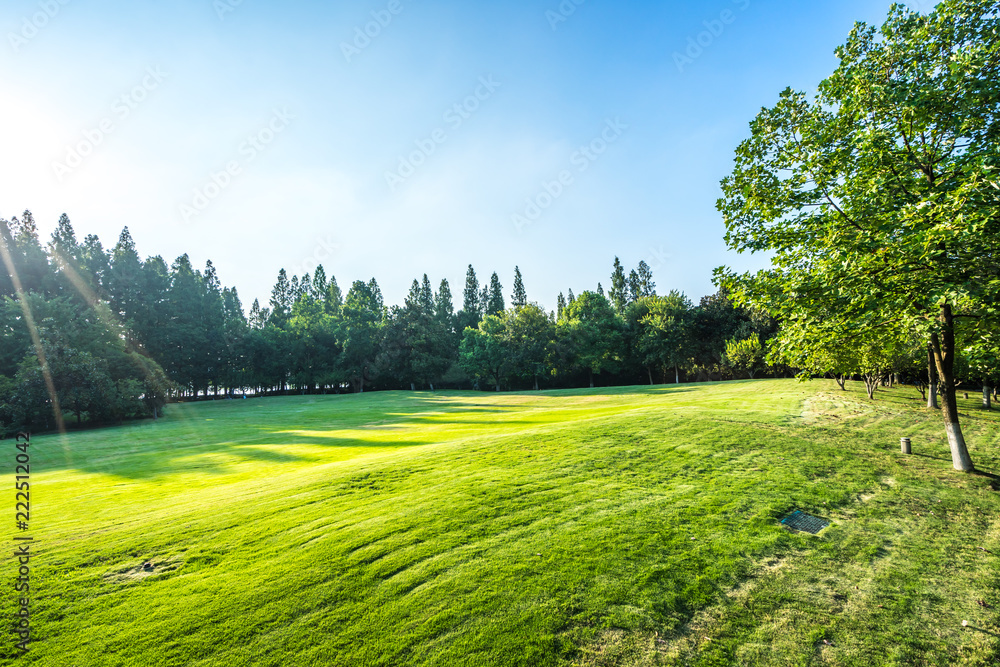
124 287
305 286
484 300
65 252
281 300
363 316
187 336
153 318
444 310
212 356
600 290
319 283
494 301
258 317
520 297
412 298
646 285
334 301
377 296
96 264
560 306
618 294
634 288
426 296
235 328
570 298
30 263
472 303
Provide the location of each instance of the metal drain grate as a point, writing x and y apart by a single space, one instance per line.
799 520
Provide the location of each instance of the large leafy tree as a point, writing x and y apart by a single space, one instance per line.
591 335
666 339
485 352
531 333
878 198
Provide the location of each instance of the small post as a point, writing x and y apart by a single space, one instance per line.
904 445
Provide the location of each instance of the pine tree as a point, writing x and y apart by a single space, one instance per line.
634 288
494 300
124 283
600 290
560 306
377 296
281 300
646 285
334 300
211 357
472 306
257 319
187 335
444 309
96 264
64 244
619 298
426 296
31 264
570 298
305 286
66 253
412 299
520 297
319 283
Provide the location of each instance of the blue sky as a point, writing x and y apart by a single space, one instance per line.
264 135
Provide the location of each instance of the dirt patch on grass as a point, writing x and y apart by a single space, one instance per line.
616 648
136 572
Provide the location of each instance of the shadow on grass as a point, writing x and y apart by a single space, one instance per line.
198 435
983 630
213 437
928 456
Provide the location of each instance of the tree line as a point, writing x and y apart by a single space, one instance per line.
102 335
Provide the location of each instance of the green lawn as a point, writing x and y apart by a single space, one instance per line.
627 526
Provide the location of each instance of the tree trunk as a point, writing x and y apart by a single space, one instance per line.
591 379
650 371
413 387
677 375
944 355
932 376
432 385
536 382
841 381
871 382
986 397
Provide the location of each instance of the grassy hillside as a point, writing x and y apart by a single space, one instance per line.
631 526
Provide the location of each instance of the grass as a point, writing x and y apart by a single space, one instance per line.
629 526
